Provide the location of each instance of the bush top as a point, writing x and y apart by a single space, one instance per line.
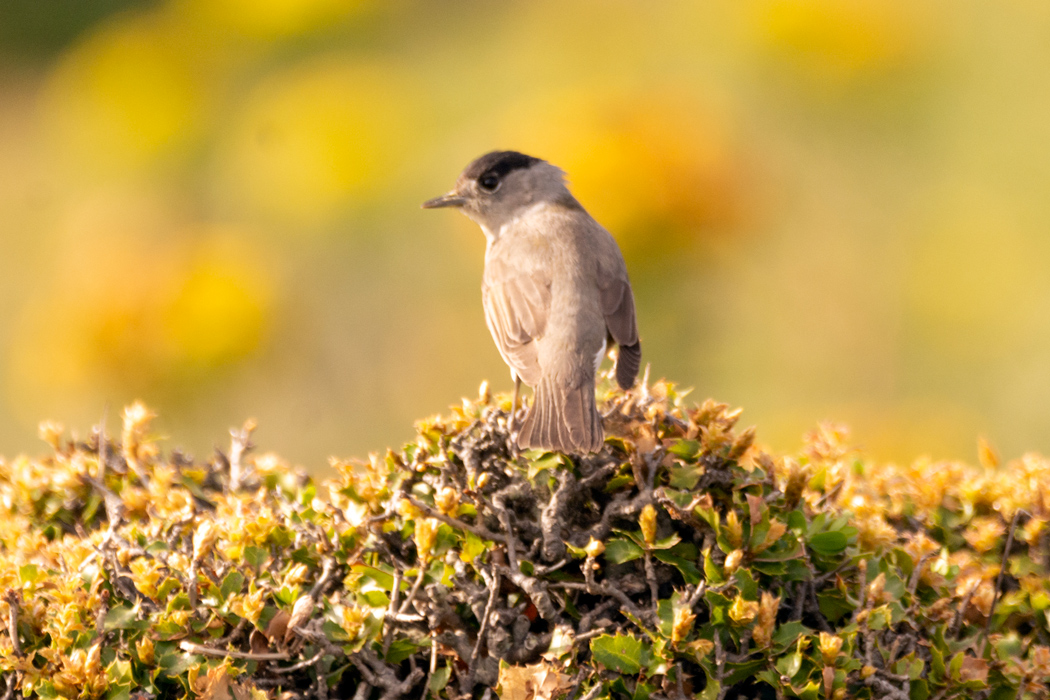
680 561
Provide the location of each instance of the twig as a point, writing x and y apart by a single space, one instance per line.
654 586
604 589
415 589
364 689
378 673
388 638
431 669
955 629
999 581
533 587
594 692
233 654
12 598
484 628
888 689
391 610
697 594
916 574
720 665
322 581
479 530
102 444
552 516
240 445
302 664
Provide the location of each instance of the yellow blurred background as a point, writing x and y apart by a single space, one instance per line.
829 209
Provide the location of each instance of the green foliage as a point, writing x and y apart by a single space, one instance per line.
682 560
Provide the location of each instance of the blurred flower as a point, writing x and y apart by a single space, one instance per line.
647 521
837 42
316 140
127 96
830 646
272 19
128 311
742 612
657 169
682 625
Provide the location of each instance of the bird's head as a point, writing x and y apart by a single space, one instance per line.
498 186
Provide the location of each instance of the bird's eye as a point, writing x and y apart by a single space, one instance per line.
489 182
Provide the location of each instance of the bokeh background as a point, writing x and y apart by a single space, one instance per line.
829 209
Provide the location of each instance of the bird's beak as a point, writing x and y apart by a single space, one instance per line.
452 199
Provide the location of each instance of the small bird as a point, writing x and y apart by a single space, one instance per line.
555 291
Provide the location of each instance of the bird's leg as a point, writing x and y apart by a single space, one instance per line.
514 404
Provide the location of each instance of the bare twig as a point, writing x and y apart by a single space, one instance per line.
13 599
430 669
999 581
479 530
486 620
306 663
233 654
240 445
654 586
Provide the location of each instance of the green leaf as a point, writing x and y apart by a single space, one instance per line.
688 569
440 679
937 669
796 521
618 481
548 460
666 542
828 544
620 652
119 672
787 634
642 691
400 650
746 584
472 547
834 605
233 583
686 449
256 556
620 551
770 568
920 690
712 572
122 617
665 613
738 672
718 604
811 691
685 478
28 573
374 598
119 692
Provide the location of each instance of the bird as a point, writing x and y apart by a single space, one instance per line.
555 292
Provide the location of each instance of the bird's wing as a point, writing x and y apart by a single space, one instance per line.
615 295
516 308
617 305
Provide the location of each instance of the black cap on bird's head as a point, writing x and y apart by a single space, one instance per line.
499 185
484 175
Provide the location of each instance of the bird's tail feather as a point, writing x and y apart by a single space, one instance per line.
562 419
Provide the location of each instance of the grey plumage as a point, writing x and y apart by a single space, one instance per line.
555 289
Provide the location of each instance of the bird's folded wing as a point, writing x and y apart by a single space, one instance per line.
516 311
617 304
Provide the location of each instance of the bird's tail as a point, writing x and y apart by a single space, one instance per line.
562 418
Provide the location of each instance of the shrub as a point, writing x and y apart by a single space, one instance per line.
680 561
